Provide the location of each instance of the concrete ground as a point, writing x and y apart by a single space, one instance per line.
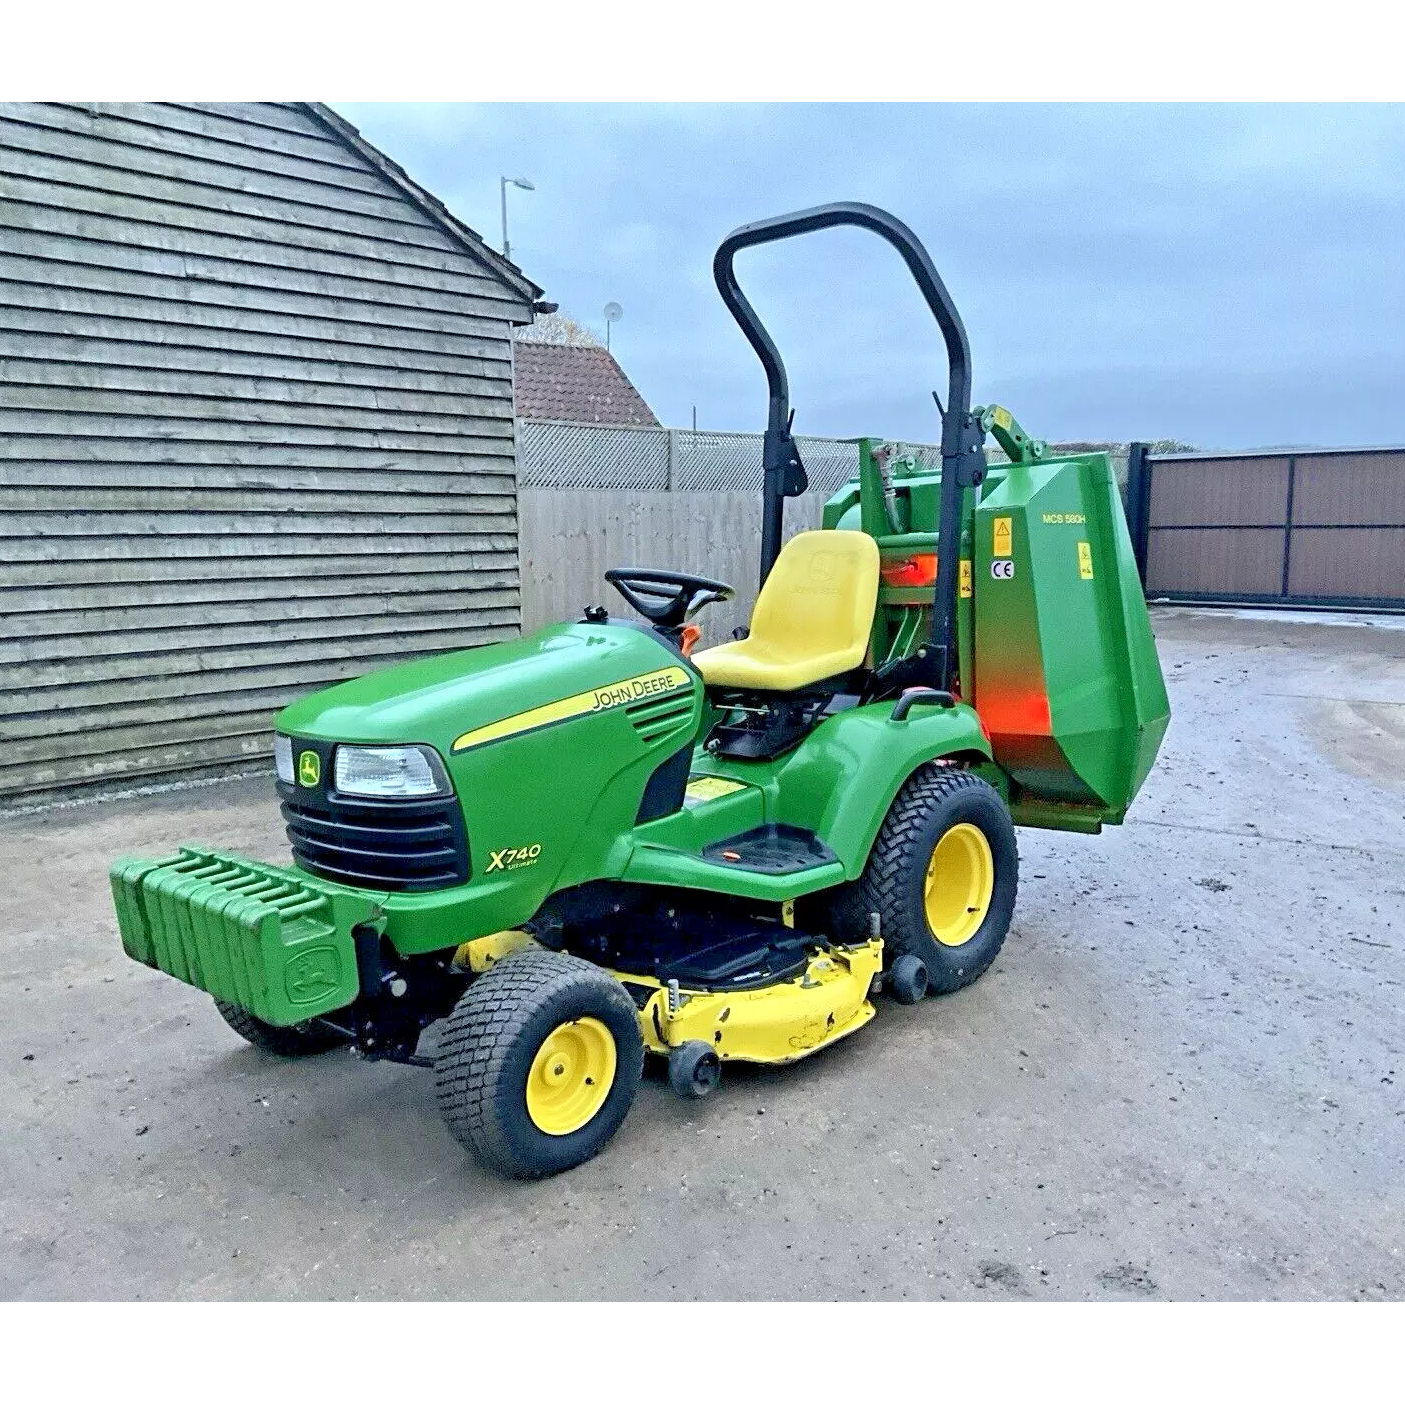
1184 1077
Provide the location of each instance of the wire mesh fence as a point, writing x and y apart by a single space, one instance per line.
553 454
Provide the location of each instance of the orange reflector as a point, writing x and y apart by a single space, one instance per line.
911 570
1009 713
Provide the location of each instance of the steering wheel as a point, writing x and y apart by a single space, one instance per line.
666 598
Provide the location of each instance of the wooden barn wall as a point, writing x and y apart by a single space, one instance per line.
256 433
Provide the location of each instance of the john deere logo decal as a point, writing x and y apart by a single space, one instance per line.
312 974
612 695
309 769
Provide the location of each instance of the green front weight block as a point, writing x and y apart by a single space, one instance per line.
275 941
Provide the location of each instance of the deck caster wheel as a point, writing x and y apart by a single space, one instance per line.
694 1069
908 979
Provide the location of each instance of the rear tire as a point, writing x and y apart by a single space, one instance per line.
538 1064
285 1041
935 801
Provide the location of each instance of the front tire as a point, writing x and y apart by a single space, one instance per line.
285 1041
538 1064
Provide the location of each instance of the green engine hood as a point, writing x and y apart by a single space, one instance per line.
440 699
550 744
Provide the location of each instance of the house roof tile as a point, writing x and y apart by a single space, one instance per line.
583 384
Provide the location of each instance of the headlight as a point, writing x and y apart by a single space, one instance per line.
389 772
283 758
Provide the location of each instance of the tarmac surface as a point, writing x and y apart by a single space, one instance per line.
1183 1078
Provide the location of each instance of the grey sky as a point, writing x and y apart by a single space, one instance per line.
1232 276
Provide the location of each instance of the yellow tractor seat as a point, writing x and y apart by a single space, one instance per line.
812 619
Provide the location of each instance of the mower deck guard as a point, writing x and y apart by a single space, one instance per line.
273 940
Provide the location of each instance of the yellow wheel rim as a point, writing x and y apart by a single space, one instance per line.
960 882
571 1076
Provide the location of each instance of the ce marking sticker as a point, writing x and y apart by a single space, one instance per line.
1003 570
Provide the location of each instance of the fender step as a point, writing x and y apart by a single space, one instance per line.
772 848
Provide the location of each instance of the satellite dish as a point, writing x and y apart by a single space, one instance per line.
613 313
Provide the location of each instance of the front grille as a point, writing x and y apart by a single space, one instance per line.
400 845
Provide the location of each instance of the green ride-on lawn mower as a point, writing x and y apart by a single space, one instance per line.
594 843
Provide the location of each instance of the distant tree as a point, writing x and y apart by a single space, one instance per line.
556 329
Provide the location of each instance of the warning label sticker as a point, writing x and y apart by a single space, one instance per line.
1085 561
701 789
1004 539
965 580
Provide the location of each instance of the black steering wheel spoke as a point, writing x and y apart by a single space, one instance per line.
667 599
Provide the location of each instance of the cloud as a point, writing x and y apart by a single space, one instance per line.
1223 274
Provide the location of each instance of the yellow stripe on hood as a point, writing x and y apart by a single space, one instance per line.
602 699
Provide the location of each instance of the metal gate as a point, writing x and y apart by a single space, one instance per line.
1319 527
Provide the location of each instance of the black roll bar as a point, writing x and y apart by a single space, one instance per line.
962 437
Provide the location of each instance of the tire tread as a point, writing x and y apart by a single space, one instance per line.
880 887
285 1042
470 1072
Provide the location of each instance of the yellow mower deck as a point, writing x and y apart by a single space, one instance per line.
772 1024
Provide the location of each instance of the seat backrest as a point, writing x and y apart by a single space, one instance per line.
819 597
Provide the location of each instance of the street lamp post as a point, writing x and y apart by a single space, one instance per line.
522 183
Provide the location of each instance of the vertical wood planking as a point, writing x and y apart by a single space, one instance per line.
571 536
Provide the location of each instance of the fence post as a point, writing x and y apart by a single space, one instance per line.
671 481
1139 502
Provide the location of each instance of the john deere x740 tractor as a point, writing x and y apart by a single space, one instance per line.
597 842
